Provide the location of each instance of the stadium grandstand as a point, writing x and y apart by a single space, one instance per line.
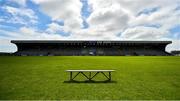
175 52
94 48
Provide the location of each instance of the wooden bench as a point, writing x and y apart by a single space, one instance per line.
90 76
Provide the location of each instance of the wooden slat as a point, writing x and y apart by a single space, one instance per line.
90 70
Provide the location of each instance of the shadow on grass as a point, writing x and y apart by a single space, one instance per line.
89 81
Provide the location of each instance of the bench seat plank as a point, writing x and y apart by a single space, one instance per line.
90 70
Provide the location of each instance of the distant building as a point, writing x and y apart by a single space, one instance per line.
176 52
94 48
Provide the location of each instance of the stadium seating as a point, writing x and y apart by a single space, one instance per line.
76 48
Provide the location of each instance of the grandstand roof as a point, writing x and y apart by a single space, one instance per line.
88 41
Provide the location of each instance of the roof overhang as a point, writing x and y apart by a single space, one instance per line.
88 41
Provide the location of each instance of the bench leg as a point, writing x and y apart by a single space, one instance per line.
85 75
94 75
109 76
105 75
89 75
75 75
71 76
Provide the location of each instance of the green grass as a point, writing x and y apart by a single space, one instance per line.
43 78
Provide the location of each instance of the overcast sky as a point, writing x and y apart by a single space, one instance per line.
89 19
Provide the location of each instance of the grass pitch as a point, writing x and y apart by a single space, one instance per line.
43 78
